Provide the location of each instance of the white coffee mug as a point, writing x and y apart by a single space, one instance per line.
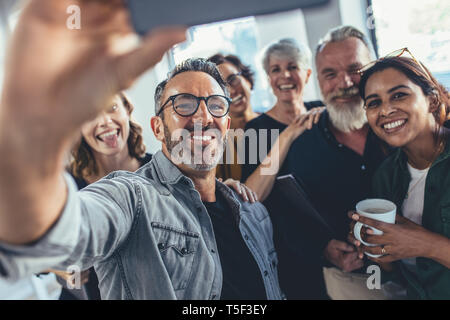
376 209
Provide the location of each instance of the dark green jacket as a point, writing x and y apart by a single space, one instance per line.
392 182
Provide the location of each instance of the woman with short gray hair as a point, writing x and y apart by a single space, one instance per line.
288 66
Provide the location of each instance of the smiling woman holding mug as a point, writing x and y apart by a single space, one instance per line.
408 109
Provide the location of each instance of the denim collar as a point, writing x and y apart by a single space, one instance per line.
168 173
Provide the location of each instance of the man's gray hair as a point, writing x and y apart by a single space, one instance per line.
343 33
193 64
287 48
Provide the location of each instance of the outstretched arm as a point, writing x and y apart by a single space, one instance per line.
56 79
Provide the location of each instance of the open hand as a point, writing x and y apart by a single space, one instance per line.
245 192
303 122
343 255
57 78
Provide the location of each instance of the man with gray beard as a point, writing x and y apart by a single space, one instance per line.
335 161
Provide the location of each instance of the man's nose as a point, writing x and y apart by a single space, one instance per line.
387 109
346 81
202 115
286 73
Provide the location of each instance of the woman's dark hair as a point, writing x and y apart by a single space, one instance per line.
246 72
440 98
83 163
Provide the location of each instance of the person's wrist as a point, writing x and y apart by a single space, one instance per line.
287 136
434 246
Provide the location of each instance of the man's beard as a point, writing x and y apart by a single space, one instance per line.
346 117
177 145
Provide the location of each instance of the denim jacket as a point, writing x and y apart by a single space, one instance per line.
148 235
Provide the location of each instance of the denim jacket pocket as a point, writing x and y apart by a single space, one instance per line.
177 249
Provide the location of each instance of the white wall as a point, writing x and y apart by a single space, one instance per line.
285 25
141 95
337 12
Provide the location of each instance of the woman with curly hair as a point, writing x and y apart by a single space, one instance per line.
110 142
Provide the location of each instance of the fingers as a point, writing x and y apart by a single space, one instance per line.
245 192
343 246
377 250
370 222
235 185
351 262
351 213
249 193
351 237
131 65
317 117
375 239
310 121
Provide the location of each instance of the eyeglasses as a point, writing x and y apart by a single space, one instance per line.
234 79
186 105
395 54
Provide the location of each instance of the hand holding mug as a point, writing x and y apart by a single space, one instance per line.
376 209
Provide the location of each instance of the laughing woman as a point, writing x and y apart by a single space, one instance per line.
112 141
407 108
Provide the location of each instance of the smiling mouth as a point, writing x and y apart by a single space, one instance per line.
287 87
201 140
108 135
237 99
394 126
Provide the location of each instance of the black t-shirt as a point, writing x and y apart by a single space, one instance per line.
335 178
242 278
268 123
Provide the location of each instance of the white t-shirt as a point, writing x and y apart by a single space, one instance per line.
412 207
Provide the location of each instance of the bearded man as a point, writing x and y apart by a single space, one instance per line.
335 161
170 230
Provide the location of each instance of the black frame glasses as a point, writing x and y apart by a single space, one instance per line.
234 79
199 99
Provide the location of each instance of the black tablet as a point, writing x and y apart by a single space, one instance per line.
293 192
148 14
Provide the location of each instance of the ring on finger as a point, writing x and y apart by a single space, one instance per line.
383 250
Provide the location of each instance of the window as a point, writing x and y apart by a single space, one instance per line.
422 26
238 37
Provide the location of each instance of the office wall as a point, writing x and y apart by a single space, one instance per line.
307 26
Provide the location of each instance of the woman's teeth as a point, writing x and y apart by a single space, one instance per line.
108 134
393 125
287 87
